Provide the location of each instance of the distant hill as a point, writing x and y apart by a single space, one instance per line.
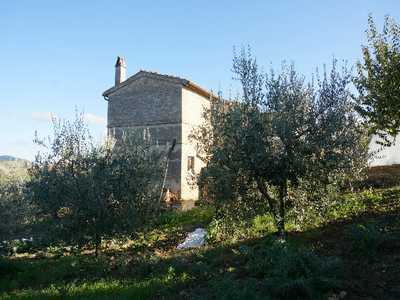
13 166
7 158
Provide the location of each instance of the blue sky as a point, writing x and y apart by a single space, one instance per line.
58 55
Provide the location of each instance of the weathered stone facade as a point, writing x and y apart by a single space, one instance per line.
169 108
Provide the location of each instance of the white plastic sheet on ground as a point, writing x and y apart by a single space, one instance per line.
194 239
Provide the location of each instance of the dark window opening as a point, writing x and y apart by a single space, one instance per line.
190 163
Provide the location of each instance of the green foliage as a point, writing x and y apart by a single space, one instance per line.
263 224
366 239
307 264
232 231
282 135
227 288
341 206
20 246
353 204
86 192
378 80
308 215
200 216
221 230
7 267
15 209
293 272
16 169
101 289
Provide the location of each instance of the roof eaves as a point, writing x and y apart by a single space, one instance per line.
199 90
174 79
184 82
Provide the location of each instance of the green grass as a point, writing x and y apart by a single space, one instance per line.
104 289
355 250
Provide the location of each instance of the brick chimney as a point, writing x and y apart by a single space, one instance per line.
120 71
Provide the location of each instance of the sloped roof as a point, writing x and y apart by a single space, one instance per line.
184 82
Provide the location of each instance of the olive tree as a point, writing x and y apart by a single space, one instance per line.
378 80
280 132
15 209
87 191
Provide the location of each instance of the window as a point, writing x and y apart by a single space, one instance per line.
190 163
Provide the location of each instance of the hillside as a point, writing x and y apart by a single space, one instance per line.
12 166
383 176
353 254
7 157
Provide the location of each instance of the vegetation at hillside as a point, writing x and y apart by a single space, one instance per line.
282 144
85 192
378 80
13 168
353 252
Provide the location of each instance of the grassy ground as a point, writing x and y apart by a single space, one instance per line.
355 255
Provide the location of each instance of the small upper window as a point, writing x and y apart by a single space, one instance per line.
190 163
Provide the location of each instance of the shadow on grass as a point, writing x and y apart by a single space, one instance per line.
244 270
102 289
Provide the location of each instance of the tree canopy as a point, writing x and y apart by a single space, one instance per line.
281 132
378 80
88 191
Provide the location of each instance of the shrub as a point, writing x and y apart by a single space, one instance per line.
227 288
365 239
7 267
86 192
280 132
15 210
291 272
378 81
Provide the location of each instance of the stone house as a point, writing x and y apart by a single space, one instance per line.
167 107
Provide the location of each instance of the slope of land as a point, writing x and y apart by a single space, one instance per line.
12 166
384 176
353 254
7 157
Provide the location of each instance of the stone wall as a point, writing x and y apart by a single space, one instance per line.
146 101
168 111
162 136
153 105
